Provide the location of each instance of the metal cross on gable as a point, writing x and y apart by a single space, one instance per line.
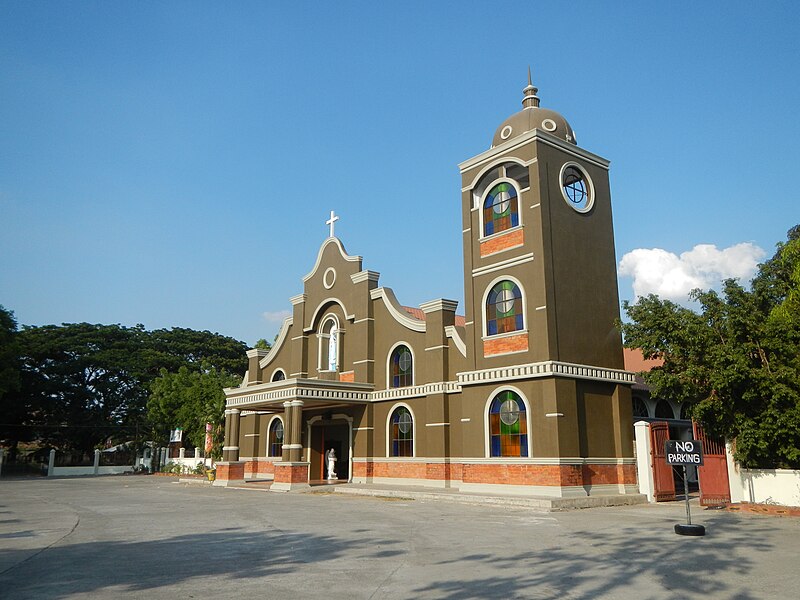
331 222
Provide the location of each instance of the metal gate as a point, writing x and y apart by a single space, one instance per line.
713 475
663 481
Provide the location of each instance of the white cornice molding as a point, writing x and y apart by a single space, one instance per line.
273 351
360 393
257 352
396 310
321 306
528 136
451 332
365 276
302 389
439 304
345 256
414 391
503 264
549 368
298 299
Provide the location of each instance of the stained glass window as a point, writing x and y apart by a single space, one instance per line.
276 438
504 309
401 367
508 425
402 432
500 209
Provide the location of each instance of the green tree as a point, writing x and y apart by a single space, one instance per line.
736 362
189 399
83 384
12 413
173 348
9 352
263 344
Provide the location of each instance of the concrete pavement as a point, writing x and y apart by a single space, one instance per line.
152 537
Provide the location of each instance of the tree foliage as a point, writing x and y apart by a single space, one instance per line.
9 353
189 399
83 384
736 361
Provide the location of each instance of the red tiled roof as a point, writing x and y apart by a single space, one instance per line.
418 314
636 362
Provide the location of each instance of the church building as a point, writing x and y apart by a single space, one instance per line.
526 393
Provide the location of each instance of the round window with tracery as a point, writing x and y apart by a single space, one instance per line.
577 188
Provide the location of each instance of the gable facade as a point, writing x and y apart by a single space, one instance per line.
525 393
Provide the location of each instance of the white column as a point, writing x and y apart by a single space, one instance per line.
182 453
735 478
1 461
96 462
51 463
644 469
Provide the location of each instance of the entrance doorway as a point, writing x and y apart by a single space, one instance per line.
326 435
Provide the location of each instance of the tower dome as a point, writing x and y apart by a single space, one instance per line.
533 117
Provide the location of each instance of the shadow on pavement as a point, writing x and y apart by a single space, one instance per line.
603 563
68 569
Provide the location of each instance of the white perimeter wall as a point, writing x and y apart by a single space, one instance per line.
763 486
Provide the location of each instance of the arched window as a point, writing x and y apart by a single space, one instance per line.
686 411
507 170
504 308
508 425
639 407
329 345
278 375
664 410
401 367
275 447
500 209
401 434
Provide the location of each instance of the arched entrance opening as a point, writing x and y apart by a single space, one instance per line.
325 433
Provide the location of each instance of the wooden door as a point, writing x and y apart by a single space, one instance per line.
663 481
715 490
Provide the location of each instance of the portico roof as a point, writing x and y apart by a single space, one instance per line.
317 393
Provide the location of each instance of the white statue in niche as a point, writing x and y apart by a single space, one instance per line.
332 349
330 458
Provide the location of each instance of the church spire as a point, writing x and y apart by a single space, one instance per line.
529 97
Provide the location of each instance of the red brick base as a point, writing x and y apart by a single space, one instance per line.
229 472
290 475
260 468
500 473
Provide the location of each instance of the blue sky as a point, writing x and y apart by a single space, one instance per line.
173 163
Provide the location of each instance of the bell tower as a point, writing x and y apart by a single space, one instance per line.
539 259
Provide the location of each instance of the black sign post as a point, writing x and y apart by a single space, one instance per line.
685 452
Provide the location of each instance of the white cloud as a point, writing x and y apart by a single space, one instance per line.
656 271
276 317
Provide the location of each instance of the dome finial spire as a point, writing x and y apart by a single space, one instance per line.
529 97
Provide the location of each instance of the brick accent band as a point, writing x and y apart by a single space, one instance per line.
505 345
504 241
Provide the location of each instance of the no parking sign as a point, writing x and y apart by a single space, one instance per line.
682 453
686 453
